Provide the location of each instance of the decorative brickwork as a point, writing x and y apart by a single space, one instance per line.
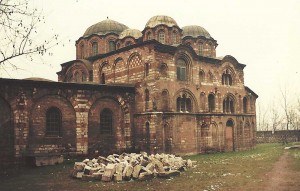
158 90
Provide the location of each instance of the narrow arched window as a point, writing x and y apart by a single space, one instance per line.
148 36
106 121
102 80
181 70
112 46
161 37
165 100
245 105
201 76
211 103
174 37
178 103
81 51
163 70
200 48
94 48
147 69
53 122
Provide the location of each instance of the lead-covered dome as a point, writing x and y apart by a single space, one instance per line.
105 27
135 33
161 20
195 31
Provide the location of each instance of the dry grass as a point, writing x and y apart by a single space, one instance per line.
220 171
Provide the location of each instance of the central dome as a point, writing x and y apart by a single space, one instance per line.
161 20
105 27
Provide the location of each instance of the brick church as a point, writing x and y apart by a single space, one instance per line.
161 89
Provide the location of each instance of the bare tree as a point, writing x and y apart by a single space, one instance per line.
285 106
276 119
262 118
18 32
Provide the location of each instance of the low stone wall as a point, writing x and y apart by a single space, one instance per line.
277 136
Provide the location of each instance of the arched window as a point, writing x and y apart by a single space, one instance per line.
161 37
211 103
184 104
228 105
163 70
181 70
148 36
226 78
200 48
229 123
147 69
81 51
201 76
245 105
209 50
94 48
53 122
102 80
106 121
210 77
112 46
164 100
174 37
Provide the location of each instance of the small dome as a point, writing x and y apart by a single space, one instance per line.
131 32
194 31
161 20
105 27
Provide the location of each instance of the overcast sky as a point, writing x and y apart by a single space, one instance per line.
263 34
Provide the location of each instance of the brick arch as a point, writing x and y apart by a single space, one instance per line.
228 68
104 72
37 127
135 67
76 67
104 143
120 70
189 94
181 54
230 103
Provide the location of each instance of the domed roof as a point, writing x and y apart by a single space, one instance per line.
194 31
131 32
105 27
161 20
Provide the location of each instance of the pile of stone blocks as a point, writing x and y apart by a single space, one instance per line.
130 166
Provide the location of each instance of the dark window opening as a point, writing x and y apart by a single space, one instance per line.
228 105
226 78
106 121
183 104
112 46
211 103
181 70
53 122
245 105
94 48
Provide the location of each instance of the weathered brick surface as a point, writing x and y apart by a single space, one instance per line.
210 110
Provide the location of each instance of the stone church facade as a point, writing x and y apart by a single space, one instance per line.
161 89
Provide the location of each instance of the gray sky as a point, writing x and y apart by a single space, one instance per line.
264 35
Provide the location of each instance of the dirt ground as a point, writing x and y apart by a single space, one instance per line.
280 178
